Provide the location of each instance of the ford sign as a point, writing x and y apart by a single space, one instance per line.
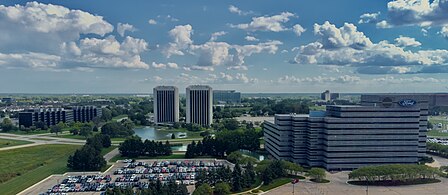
407 102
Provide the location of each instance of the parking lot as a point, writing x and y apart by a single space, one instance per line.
138 174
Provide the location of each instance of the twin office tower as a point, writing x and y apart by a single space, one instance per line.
199 108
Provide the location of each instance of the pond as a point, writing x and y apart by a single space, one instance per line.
151 133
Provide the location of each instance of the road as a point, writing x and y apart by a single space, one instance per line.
38 139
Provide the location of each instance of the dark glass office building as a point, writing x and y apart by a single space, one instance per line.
199 105
86 113
226 97
52 116
166 104
347 137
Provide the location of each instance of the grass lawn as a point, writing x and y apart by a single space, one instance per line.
28 133
10 142
437 133
119 117
172 156
23 167
278 182
315 108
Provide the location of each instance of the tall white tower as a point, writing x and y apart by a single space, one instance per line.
166 104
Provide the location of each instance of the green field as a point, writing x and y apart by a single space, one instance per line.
104 151
434 120
119 117
437 133
23 167
10 142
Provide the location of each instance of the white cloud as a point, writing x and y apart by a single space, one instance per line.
266 23
383 24
164 66
346 46
48 37
236 10
406 42
400 80
368 18
152 21
108 52
318 79
241 67
181 39
215 35
122 28
444 31
298 29
418 12
251 38
200 68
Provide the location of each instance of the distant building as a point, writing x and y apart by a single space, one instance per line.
226 97
52 116
49 116
325 96
349 137
7 100
199 105
85 113
166 104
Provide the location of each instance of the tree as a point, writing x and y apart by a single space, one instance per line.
132 147
7 125
106 141
41 125
55 129
237 178
173 136
317 174
106 114
86 131
86 159
203 189
222 188
116 129
95 128
250 172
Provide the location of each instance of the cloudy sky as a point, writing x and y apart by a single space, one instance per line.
111 46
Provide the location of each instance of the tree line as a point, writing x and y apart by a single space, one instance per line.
437 149
394 173
225 142
134 147
89 157
238 179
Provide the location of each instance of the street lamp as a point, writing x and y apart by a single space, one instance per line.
294 181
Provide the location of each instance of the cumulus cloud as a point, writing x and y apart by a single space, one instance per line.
236 10
164 66
266 23
401 80
181 40
368 18
417 12
318 79
406 42
251 38
444 31
298 29
108 52
215 35
48 37
152 21
346 46
122 28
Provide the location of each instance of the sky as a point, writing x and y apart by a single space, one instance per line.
254 46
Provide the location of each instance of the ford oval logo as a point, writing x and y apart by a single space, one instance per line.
407 103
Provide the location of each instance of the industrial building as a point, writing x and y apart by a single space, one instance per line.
349 137
199 105
166 104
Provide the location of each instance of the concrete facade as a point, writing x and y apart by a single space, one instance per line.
166 104
346 137
199 105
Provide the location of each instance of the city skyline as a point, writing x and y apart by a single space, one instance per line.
251 46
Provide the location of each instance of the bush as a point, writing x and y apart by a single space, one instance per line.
86 159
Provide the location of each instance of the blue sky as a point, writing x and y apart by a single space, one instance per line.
109 46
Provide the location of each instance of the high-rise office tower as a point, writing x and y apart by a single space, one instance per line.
166 105
199 105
